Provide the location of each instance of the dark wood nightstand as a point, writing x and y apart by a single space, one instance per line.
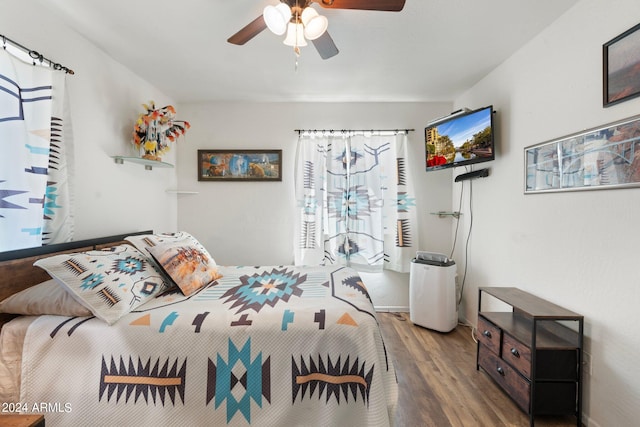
20 420
532 353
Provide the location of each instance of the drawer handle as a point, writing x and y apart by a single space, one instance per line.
500 370
515 352
487 334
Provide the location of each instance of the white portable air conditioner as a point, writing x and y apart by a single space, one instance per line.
432 292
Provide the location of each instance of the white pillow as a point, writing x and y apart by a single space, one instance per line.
110 282
44 298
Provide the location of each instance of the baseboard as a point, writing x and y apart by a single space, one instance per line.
586 421
391 309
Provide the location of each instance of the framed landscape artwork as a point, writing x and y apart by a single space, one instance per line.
621 67
600 158
239 165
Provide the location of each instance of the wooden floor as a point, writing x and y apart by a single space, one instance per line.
438 382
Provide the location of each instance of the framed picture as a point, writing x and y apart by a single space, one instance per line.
621 63
239 165
599 158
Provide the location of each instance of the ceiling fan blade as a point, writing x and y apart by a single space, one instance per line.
325 46
251 30
383 5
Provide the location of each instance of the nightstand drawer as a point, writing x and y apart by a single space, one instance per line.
513 383
517 354
489 335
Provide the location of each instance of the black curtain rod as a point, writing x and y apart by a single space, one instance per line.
35 55
353 130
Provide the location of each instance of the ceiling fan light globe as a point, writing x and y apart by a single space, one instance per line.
295 35
314 25
277 17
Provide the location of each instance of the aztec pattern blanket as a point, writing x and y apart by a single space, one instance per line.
262 346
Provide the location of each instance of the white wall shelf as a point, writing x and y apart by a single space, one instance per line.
182 192
148 164
443 214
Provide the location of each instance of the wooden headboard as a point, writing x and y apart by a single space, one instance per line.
17 271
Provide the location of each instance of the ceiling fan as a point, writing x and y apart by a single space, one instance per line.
302 22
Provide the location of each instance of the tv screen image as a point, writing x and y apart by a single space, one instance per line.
463 139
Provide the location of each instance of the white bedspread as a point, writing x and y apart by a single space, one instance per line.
263 346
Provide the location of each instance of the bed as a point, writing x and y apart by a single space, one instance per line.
167 337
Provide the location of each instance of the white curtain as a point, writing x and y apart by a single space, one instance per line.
35 142
354 204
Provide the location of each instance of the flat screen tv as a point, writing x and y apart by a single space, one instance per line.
463 139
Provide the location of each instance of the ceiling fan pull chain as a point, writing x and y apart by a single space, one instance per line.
296 47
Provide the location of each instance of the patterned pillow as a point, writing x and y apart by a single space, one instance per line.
44 298
110 282
144 242
188 265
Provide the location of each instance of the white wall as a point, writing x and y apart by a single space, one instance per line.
251 222
577 249
105 100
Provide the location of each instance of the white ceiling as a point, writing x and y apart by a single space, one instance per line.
430 51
